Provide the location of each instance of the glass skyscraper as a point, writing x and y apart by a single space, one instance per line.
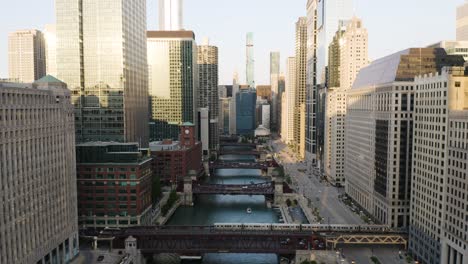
246 101
250 67
101 55
173 82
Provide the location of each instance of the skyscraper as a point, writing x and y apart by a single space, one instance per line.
170 15
26 55
173 82
438 227
323 19
250 65
300 91
101 55
348 54
246 101
50 37
208 89
462 22
274 82
38 177
288 134
380 119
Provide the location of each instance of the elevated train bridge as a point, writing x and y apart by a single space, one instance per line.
197 240
234 189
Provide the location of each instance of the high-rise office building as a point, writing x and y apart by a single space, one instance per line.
462 22
264 92
208 89
289 107
454 243
101 55
224 115
171 15
438 227
250 63
380 119
345 60
300 83
38 177
50 37
323 20
26 55
274 82
246 101
173 82
311 88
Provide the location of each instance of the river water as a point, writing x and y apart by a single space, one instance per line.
210 209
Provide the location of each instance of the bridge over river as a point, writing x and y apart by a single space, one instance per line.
216 239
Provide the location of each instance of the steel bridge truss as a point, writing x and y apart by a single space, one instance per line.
233 189
371 239
227 243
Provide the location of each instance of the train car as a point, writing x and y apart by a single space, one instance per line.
286 227
228 226
257 226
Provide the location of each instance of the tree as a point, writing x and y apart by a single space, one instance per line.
156 189
288 203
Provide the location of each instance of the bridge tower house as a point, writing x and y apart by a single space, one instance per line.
278 180
188 192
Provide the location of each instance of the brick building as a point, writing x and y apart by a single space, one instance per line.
114 185
173 159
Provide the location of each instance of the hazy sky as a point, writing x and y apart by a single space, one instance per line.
393 25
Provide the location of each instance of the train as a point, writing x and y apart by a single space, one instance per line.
304 227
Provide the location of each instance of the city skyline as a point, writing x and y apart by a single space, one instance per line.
279 17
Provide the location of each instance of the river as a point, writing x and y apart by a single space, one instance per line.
210 209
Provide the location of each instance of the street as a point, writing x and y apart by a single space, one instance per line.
322 194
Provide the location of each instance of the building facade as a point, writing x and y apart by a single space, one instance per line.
379 132
224 115
38 178
208 90
114 185
171 15
101 55
300 86
26 56
264 92
172 160
462 22
324 19
250 63
173 82
438 221
275 62
290 100
246 101
50 38
345 62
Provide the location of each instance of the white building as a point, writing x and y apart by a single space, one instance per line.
379 131
439 168
170 15
462 22
38 219
26 55
351 55
50 37
290 99
266 116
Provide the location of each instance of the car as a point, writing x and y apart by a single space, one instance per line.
100 258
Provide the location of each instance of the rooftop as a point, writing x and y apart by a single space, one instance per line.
171 34
405 65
